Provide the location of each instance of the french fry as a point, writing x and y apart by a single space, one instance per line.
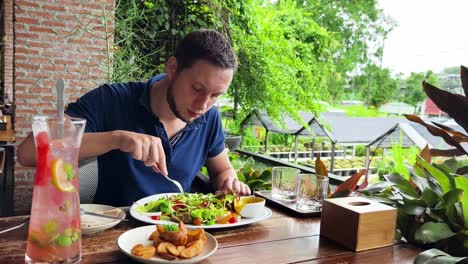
162 248
195 235
154 235
173 250
193 250
171 245
180 248
144 251
136 249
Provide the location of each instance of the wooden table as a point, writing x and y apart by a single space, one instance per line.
279 239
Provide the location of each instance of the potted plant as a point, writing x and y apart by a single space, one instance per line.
432 202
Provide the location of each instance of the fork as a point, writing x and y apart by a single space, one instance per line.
176 183
16 226
157 168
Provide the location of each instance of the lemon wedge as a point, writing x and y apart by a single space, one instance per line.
60 177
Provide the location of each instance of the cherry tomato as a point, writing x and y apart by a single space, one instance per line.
197 221
233 220
156 217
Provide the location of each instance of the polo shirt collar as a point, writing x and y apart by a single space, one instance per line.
145 101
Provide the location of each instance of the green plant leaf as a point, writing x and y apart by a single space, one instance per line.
419 181
255 184
237 164
241 177
462 183
431 232
446 181
402 184
453 196
413 207
266 175
430 197
436 256
377 188
454 164
248 165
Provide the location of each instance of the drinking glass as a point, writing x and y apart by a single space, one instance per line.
284 183
311 192
55 230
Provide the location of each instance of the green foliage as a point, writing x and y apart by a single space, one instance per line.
432 205
396 161
283 59
411 92
361 110
147 33
376 85
355 27
290 53
257 177
360 151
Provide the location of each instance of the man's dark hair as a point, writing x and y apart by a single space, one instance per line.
205 44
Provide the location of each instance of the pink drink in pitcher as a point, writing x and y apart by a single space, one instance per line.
55 230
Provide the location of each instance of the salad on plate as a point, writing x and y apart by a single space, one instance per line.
194 209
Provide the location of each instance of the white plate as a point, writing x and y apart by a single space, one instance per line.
92 224
141 234
147 219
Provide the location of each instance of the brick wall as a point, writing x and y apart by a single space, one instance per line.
55 39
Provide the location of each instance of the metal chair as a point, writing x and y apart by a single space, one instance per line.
88 171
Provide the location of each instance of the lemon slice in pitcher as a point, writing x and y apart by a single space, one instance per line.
60 175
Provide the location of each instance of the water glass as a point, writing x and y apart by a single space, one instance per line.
284 183
311 192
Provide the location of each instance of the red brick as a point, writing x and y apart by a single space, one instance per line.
40 44
26 3
25 81
40 90
27 66
66 62
41 29
26 35
40 14
54 24
26 20
53 7
26 51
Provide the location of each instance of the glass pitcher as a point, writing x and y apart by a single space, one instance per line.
55 229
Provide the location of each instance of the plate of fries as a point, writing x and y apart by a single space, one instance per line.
164 244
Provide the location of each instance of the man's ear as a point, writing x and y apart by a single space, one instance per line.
171 67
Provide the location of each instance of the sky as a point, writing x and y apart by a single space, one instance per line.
431 35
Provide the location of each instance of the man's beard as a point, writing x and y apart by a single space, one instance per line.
172 104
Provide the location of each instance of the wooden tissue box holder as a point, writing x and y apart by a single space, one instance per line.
358 223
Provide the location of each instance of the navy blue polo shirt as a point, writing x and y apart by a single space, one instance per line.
126 106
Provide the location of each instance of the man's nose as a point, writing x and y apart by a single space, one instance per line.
203 103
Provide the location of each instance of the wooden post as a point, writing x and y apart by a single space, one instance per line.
313 149
367 157
295 148
332 160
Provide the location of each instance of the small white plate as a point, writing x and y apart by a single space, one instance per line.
141 234
93 224
147 219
